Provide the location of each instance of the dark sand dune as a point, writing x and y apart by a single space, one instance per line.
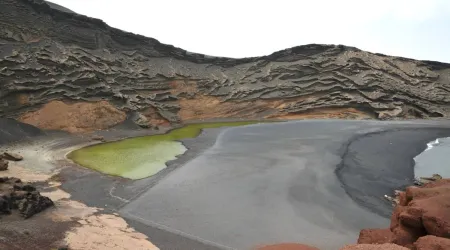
12 130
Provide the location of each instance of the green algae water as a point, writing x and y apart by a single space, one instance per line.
141 157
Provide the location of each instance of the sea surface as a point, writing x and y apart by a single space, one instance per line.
434 160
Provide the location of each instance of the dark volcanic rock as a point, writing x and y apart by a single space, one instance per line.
59 7
5 204
47 54
33 203
21 196
3 165
98 138
142 121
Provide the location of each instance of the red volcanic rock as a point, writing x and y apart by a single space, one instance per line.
287 246
411 217
374 247
426 192
395 218
405 236
375 236
430 242
422 214
438 183
436 215
402 200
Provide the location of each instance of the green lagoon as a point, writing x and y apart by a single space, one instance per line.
141 157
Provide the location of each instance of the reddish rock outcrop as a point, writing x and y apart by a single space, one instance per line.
374 247
287 246
430 242
402 200
75 117
443 182
375 236
406 236
421 220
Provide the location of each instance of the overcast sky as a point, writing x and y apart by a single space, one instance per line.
241 28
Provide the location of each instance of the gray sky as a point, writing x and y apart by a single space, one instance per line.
417 29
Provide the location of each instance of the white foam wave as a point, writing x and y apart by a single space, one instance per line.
430 145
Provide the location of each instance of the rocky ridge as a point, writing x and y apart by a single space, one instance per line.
49 55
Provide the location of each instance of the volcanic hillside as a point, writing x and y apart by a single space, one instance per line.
61 70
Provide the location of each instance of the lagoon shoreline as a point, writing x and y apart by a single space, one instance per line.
114 193
343 136
376 164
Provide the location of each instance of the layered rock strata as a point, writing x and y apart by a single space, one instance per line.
50 54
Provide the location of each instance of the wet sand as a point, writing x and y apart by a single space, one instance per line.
238 188
374 164
45 156
266 183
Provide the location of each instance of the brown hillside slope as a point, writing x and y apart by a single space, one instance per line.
48 55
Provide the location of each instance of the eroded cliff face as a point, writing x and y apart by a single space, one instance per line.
48 55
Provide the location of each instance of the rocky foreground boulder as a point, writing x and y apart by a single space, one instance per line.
62 70
11 156
420 221
4 164
386 246
8 156
287 246
432 243
16 195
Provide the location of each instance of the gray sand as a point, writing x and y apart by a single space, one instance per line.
378 163
12 130
269 183
256 185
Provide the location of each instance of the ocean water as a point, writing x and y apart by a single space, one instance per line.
434 160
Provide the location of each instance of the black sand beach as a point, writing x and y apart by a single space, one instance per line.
241 187
377 163
293 166
12 130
